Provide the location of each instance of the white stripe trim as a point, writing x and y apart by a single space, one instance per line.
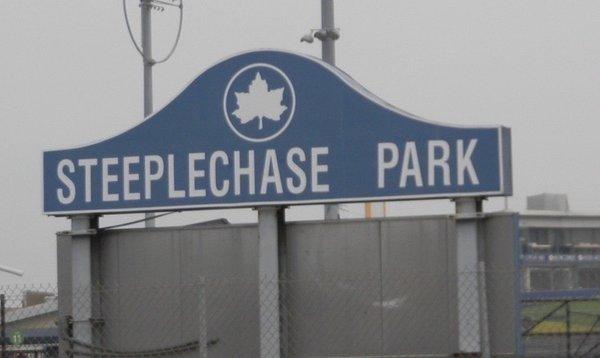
276 203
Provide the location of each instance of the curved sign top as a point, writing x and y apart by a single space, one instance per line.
276 128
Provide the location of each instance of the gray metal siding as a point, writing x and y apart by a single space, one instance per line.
377 287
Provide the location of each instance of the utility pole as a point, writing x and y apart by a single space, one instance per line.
332 211
327 24
328 34
145 50
146 8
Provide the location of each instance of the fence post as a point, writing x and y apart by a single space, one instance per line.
69 321
568 309
202 320
3 324
483 311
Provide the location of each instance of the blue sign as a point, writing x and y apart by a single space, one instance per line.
276 128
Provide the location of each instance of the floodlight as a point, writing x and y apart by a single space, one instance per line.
308 38
321 34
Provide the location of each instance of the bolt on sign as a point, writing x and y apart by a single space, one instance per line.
276 128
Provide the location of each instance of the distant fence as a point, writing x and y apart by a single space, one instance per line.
334 316
392 314
28 321
562 323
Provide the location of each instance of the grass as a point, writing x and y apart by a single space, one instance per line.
583 316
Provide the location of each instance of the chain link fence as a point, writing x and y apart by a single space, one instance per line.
28 321
562 323
392 314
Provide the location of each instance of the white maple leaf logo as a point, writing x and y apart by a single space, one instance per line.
259 102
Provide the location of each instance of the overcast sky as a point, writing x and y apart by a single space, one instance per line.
69 76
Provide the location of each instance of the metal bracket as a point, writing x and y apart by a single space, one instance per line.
321 34
478 214
469 216
255 208
325 34
88 232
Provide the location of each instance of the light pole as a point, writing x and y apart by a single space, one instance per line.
328 34
332 212
147 6
146 9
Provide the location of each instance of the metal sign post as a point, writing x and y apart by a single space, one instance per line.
268 281
472 314
83 227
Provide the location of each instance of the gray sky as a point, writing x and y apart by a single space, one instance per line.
69 76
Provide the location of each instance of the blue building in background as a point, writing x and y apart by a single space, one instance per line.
560 248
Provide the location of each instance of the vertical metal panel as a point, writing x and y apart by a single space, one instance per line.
333 307
151 279
227 258
148 257
63 259
416 286
136 292
452 298
219 252
502 283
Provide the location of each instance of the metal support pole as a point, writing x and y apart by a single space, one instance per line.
148 63
82 230
483 309
468 283
268 282
332 212
69 322
327 23
3 324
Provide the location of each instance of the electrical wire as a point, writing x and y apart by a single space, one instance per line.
138 221
137 46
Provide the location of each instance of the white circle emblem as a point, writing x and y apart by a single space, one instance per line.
259 102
